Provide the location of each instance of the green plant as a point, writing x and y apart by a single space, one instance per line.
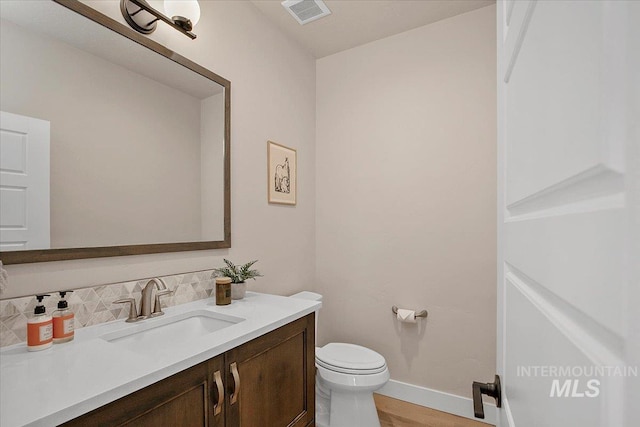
237 274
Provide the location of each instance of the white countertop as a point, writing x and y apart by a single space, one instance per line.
50 387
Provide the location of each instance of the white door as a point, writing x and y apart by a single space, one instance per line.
24 183
569 218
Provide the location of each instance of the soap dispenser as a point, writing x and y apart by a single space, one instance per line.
39 328
63 321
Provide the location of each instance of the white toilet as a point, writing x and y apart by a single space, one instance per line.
346 377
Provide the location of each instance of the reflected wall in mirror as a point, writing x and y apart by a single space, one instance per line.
110 145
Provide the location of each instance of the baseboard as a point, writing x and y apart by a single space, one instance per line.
438 400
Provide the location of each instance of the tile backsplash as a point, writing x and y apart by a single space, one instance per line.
95 305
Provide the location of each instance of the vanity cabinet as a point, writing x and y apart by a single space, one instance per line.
277 378
269 381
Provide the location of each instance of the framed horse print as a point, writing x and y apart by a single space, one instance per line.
282 173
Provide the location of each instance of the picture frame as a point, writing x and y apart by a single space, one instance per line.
282 174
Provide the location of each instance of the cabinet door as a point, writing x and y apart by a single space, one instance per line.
271 380
186 399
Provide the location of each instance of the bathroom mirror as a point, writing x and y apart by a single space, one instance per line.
111 145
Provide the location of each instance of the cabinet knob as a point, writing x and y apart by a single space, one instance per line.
217 407
236 386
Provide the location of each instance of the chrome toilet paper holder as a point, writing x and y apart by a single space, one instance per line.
422 313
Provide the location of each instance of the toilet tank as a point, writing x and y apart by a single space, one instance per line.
313 297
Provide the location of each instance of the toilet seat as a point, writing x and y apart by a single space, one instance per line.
350 359
328 379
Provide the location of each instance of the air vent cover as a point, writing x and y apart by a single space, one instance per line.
306 11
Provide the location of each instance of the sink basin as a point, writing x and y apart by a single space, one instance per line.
157 335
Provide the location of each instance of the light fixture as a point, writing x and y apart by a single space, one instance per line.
143 18
185 13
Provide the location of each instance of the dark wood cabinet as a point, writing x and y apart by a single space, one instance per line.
269 381
277 378
187 398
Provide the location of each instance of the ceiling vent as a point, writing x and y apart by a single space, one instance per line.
306 11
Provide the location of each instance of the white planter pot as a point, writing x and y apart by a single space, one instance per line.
238 290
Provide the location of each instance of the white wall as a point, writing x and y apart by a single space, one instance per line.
406 196
273 97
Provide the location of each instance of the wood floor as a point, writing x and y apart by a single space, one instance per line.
397 413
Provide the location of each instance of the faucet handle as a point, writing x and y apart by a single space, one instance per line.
157 307
133 312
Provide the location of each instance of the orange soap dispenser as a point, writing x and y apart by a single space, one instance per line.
39 328
63 321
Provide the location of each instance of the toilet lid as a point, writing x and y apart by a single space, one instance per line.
350 359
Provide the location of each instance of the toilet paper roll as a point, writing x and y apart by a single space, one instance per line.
406 316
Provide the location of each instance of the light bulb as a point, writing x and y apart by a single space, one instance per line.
189 9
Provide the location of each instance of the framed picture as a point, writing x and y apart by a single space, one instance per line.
282 173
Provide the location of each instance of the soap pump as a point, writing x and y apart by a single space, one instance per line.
63 321
39 327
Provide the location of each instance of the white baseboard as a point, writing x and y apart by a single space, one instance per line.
434 399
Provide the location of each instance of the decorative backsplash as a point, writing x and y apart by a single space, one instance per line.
95 305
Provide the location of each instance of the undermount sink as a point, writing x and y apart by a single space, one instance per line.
160 334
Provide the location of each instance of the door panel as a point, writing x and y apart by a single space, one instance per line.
535 340
557 75
518 14
567 254
566 212
24 183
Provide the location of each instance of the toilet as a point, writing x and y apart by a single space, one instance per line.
346 377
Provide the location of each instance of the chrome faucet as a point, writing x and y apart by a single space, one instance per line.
147 306
147 301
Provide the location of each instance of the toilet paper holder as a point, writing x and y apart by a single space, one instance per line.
422 313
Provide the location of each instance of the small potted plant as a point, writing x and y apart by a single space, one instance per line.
238 276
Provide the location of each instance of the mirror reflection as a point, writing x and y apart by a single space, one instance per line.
104 142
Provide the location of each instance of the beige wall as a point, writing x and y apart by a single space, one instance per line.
273 97
406 199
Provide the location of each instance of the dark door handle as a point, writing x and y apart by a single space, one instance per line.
490 389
